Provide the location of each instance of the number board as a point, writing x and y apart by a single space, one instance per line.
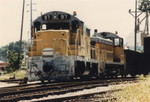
60 17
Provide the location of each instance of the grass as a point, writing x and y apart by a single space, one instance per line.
19 74
139 92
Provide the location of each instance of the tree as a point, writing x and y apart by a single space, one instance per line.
14 63
11 52
14 47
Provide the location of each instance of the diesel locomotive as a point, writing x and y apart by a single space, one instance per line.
63 49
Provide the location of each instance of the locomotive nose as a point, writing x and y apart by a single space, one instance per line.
47 66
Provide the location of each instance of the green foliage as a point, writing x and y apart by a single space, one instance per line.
144 5
3 51
11 53
12 46
15 61
19 74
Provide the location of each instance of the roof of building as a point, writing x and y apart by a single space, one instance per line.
2 62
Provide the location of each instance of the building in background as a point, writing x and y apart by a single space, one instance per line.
3 65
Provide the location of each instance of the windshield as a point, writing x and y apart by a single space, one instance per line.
57 26
118 42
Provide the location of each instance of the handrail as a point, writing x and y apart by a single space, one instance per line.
70 49
76 43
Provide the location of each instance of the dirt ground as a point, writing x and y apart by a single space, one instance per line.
4 84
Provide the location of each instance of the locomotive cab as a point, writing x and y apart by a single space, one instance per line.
118 50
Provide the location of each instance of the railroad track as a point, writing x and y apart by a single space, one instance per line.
12 80
38 90
103 95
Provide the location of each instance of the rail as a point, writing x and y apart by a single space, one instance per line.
42 90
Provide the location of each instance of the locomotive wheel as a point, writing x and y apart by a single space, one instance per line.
116 76
108 76
49 81
42 81
123 76
25 80
133 75
102 77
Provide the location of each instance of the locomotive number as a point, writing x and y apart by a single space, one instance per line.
63 16
46 17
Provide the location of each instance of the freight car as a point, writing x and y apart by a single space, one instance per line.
146 58
62 49
138 62
134 62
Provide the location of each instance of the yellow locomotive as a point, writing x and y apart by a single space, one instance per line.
108 50
62 49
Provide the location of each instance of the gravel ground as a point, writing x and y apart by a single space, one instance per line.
4 84
85 91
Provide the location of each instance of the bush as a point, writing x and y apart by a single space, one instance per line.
15 61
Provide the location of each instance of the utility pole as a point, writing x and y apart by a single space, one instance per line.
144 7
147 16
31 18
31 23
135 28
21 33
135 15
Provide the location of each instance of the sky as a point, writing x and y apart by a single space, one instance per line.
104 15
